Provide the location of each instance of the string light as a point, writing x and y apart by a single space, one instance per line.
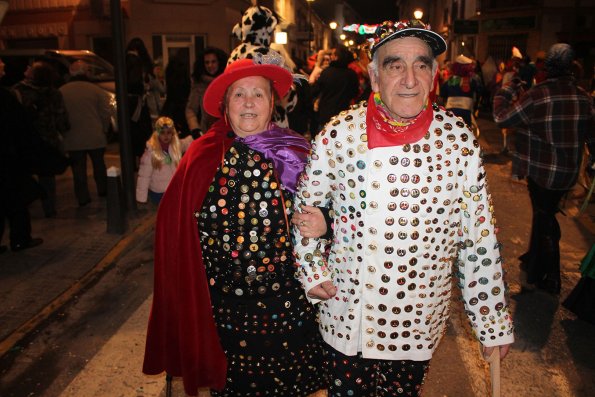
360 29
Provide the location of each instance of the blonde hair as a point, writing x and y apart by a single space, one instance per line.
158 156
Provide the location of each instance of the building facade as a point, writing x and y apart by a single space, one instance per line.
168 27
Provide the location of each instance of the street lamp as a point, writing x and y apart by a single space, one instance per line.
280 37
333 25
418 14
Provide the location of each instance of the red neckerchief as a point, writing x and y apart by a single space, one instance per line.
382 134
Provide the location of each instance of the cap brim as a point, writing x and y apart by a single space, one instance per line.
434 40
214 95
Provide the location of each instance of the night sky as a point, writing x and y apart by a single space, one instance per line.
375 11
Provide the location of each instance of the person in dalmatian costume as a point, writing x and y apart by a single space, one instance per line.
412 211
255 31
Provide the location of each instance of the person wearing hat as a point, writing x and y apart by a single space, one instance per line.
553 120
412 209
228 313
460 91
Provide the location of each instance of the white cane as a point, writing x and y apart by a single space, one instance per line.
494 361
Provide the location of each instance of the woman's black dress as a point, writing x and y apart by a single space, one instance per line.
267 328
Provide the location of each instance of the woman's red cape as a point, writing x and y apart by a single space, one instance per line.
182 338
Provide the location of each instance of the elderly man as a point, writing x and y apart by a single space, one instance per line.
412 210
554 120
89 111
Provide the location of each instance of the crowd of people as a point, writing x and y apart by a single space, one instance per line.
283 267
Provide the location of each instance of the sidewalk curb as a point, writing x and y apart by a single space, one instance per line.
21 332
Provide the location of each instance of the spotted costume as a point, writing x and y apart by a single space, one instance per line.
266 325
228 313
404 215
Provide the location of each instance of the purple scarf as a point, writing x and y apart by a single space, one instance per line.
286 149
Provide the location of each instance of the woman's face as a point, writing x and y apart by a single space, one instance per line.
211 64
249 105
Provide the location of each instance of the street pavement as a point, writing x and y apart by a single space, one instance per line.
553 354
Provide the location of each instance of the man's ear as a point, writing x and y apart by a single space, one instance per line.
373 78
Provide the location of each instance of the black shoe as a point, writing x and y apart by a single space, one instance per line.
34 242
549 285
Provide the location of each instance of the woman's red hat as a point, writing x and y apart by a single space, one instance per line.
215 93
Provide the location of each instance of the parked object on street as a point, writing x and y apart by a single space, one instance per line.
101 71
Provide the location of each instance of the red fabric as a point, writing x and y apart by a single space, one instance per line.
382 134
182 337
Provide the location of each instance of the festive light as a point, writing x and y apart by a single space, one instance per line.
360 29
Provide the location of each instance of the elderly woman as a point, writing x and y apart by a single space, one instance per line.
228 313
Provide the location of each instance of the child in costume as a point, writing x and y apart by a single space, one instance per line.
160 160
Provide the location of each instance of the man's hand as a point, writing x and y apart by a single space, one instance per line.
487 351
324 291
310 222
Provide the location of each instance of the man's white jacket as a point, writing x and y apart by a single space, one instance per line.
406 220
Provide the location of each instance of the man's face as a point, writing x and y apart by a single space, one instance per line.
211 64
404 77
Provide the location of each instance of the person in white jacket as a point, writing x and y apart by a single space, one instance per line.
412 211
160 160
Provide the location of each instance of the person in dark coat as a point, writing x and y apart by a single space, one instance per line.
45 108
17 186
336 87
139 68
177 85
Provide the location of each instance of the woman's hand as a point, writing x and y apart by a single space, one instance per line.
324 291
310 222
